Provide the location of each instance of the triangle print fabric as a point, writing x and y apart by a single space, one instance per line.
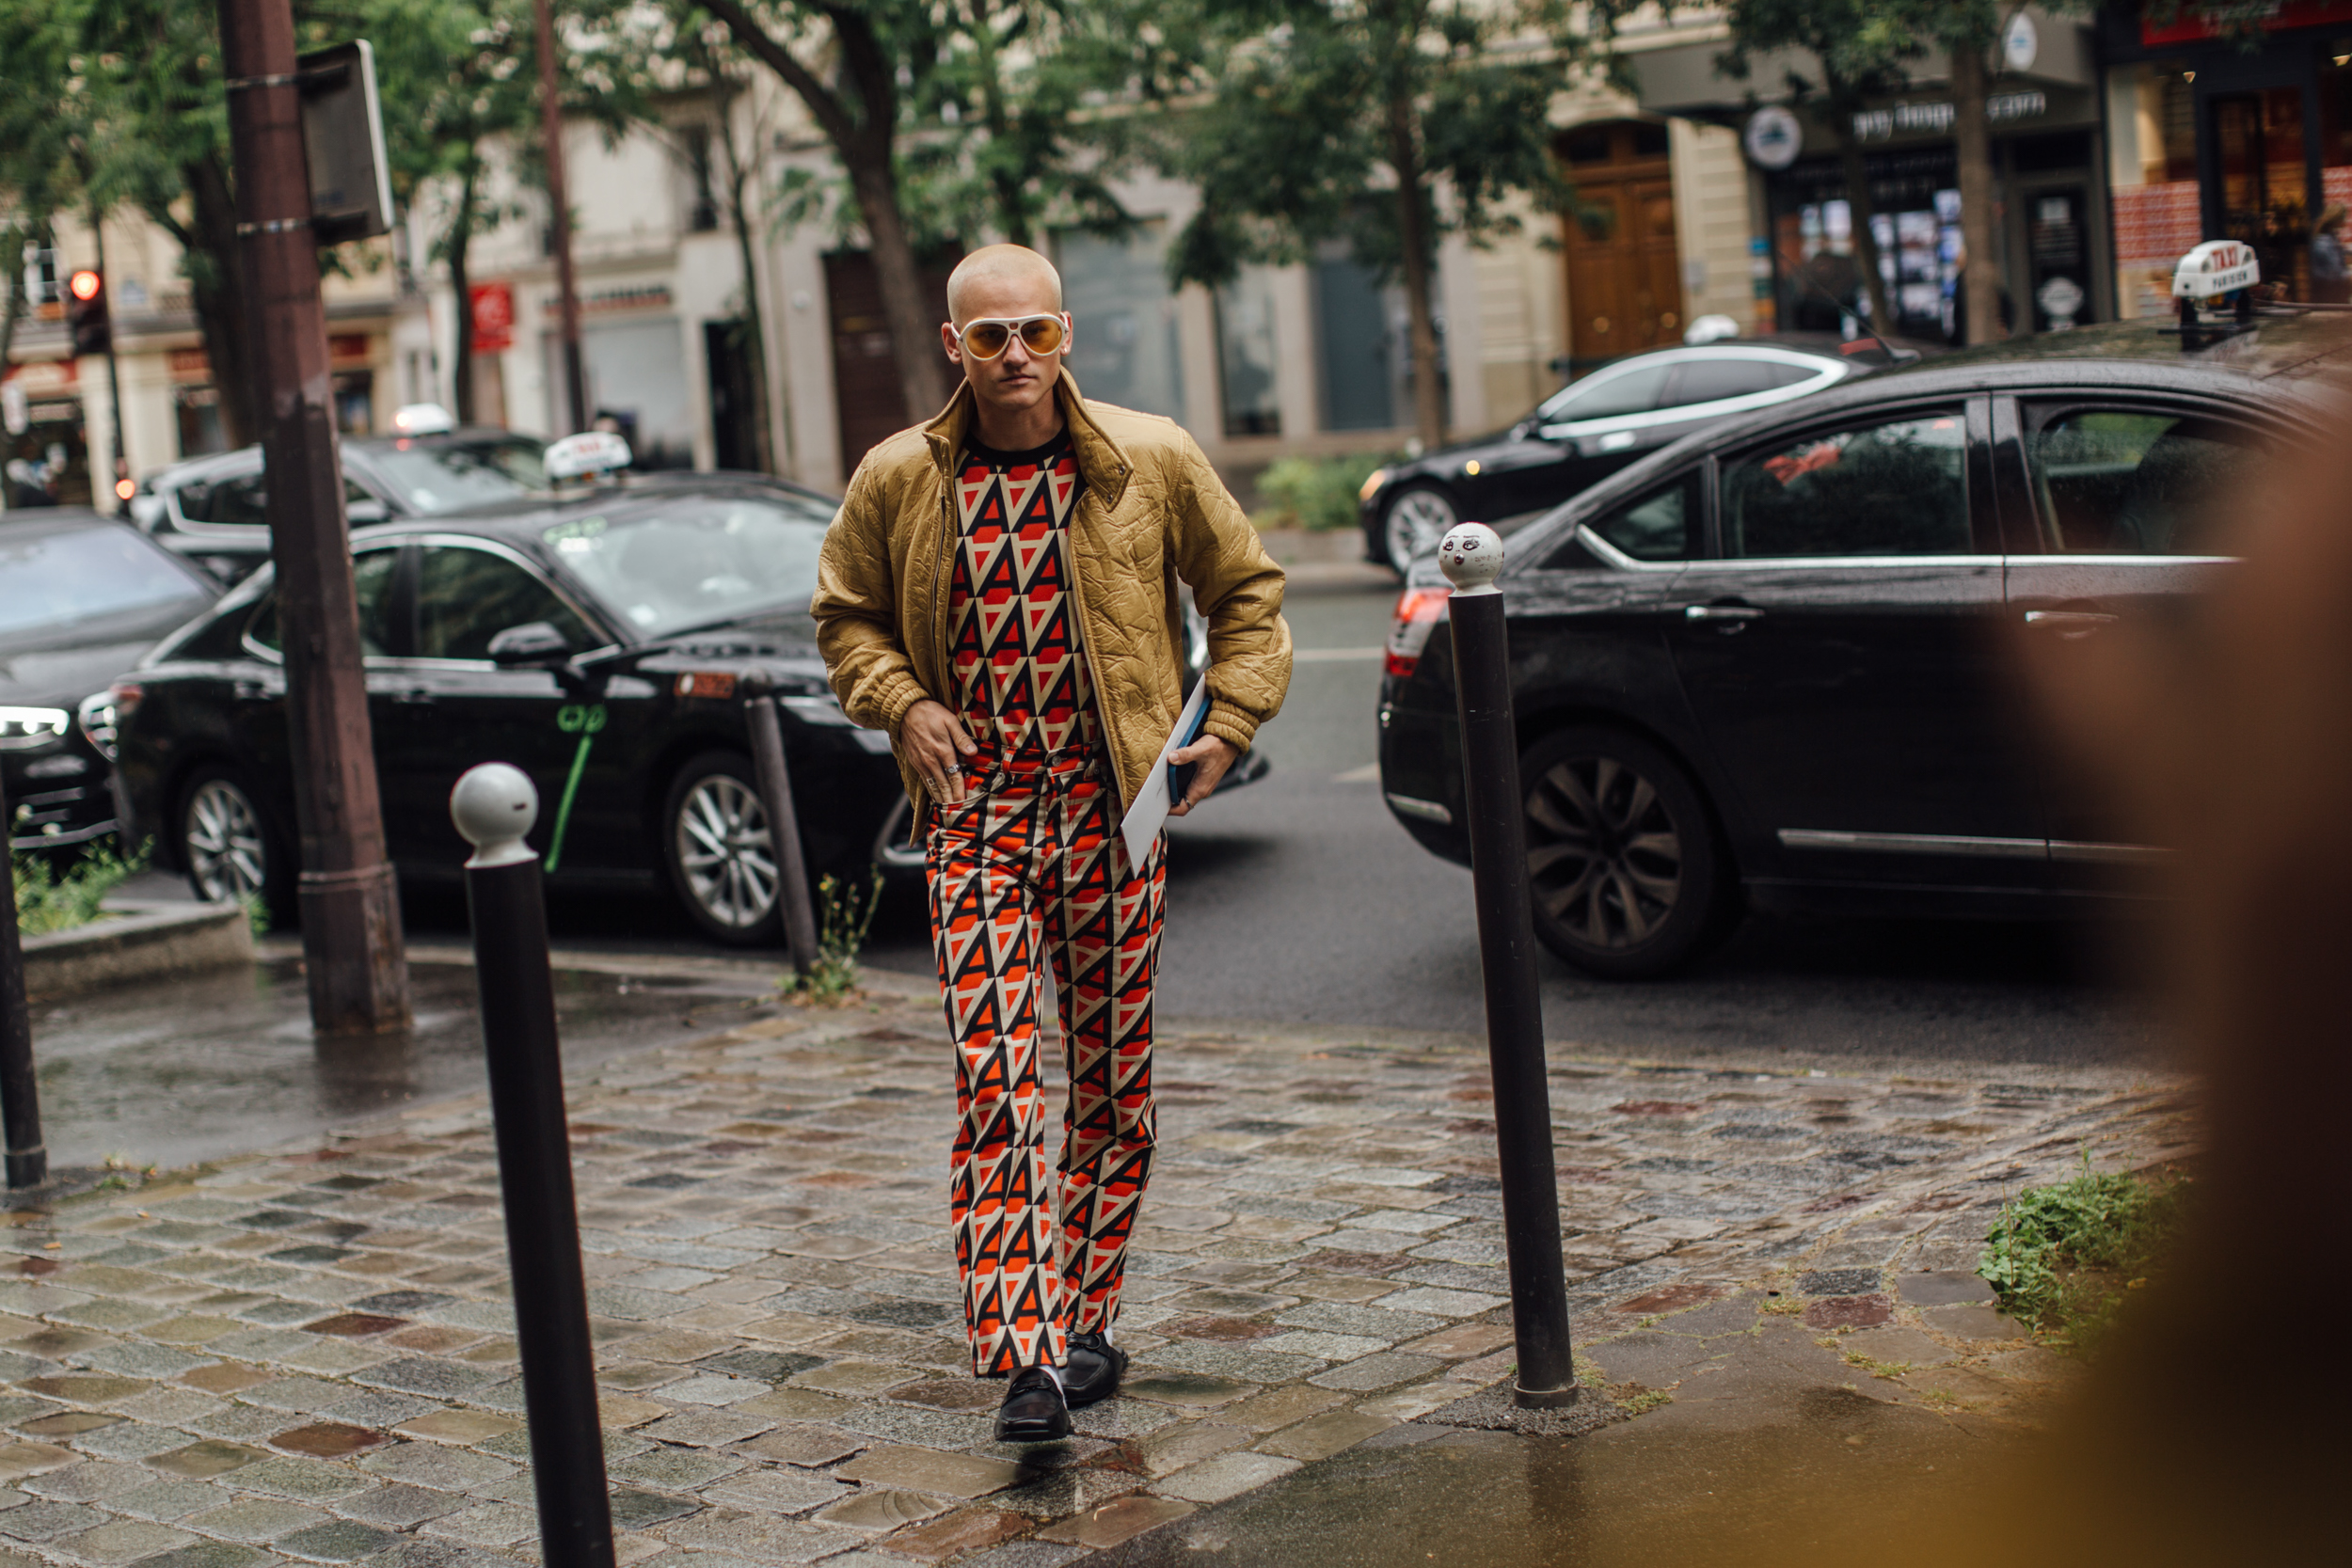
1031 873
1013 629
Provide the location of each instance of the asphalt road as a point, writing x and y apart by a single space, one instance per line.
1299 899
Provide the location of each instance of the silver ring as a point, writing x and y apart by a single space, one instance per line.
953 769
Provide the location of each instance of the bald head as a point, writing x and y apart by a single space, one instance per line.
1001 279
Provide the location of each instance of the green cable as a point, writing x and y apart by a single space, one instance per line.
564 810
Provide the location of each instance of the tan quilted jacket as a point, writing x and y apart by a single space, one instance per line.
1153 512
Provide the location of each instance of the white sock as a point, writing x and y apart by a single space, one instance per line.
1055 1373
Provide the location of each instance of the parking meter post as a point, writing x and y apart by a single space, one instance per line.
494 806
783 821
19 1095
1471 556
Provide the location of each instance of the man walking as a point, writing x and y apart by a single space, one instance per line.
999 593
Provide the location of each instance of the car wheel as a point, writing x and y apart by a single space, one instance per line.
1624 870
1417 518
722 858
232 850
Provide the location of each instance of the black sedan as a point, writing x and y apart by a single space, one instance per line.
81 596
594 641
1771 667
1590 429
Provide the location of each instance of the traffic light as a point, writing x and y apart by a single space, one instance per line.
85 313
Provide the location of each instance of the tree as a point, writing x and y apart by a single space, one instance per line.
39 174
1860 50
1388 124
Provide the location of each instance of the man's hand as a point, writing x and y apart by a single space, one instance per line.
936 743
1214 756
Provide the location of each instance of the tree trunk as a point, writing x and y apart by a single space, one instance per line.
754 324
1414 239
11 241
1012 213
215 270
864 142
461 285
1858 202
1980 275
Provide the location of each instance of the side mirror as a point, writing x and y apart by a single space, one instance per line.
363 512
533 642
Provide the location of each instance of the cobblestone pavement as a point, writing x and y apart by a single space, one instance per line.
308 1356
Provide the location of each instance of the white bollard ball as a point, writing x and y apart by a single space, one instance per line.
1470 554
494 806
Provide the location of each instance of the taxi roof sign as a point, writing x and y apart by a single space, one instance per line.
590 452
2215 268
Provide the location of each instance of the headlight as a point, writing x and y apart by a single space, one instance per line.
1372 484
100 718
22 729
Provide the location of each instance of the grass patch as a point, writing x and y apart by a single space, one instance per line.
47 901
847 914
2064 1258
1314 493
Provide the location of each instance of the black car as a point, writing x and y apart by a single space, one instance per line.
81 596
1775 660
1590 429
594 642
213 510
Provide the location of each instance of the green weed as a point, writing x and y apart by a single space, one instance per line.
1314 493
2063 1257
46 901
846 916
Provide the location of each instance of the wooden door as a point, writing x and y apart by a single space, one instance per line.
1624 272
868 401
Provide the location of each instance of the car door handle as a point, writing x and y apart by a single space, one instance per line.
1726 617
415 696
2069 624
250 691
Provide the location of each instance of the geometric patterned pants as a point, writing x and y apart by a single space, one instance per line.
1028 871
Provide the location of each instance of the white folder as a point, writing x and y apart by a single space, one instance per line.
1142 822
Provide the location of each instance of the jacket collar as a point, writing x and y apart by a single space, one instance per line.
1103 463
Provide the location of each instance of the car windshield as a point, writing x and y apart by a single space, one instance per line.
699 559
52 580
434 477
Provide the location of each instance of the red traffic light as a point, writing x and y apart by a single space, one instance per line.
86 284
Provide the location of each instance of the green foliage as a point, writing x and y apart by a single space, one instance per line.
2061 1257
847 914
1314 493
47 901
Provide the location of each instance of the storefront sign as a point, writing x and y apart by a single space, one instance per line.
2021 43
493 308
1772 138
1937 119
2192 23
629 296
348 348
190 364
46 377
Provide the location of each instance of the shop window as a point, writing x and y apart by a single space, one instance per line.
635 373
1246 353
1124 347
355 403
1362 344
197 410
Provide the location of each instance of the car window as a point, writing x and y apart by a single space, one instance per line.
1712 380
56 580
1660 526
243 499
1602 396
1895 489
467 597
698 560
371 574
435 476
2113 481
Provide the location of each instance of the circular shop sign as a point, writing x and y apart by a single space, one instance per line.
2021 42
1772 138
2059 299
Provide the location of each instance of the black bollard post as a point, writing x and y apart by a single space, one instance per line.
783 818
20 1094
1471 556
494 806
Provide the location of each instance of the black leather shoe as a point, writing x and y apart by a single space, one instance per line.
1033 1410
1090 1369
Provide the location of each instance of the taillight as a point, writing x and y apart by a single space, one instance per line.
1418 611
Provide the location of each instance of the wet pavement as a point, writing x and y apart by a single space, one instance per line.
221 1064
306 1355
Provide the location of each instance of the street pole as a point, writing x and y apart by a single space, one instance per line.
494 806
350 907
560 229
784 820
20 1094
1471 558
114 368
